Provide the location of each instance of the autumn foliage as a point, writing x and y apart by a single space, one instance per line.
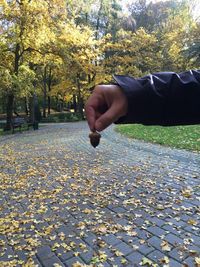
59 49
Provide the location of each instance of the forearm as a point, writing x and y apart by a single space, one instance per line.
162 98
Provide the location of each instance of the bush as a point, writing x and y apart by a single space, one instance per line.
62 117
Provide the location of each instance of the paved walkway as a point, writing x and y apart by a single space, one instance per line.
125 203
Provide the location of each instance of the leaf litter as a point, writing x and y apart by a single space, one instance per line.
41 197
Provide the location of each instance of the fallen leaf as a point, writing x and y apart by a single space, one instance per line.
148 262
197 261
165 246
192 222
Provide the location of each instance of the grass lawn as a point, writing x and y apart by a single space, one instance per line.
186 137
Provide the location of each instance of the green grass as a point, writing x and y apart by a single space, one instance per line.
184 137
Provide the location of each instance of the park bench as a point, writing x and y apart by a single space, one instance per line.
18 122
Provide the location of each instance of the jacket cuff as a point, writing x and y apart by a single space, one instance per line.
145 106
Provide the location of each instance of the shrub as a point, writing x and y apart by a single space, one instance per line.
62 117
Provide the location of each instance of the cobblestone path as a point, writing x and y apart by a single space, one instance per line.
125 203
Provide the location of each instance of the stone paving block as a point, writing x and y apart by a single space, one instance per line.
196 239
174 263
195 248
64 255
66 229
111 239
7 254
108 251
123 222
190 262
139 222
2 237
124 248
157 221
50 262
73 260
177 223
119 210
117 261
22 255
173 239
177 254
155 242
106 264
155 230
130 240
87 256
36 262
192 229
90 238
135 257
145 249
156 256
44 252
143 234
171 229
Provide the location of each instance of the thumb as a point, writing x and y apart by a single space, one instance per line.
110 116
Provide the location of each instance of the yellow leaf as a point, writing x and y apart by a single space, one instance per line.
123 261
192 222
102 256
78 264
81 225
160 207
87 211
118 253
102 229
197 261
187 192
165 246
82 246
146 261
164 260
61 236
76 254
52 237
55 246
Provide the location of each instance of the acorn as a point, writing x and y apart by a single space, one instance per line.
94 138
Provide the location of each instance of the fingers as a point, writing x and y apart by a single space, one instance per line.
92 108
107 104
110 116
91 118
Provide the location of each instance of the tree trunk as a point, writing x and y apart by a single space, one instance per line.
49 90
98 20
26 107
9 112
49 105
80 100
44 92
10 97
74 103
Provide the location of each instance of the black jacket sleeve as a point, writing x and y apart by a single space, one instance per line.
164 98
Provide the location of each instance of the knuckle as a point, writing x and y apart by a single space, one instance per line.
98 87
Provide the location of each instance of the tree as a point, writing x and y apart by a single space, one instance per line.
25 28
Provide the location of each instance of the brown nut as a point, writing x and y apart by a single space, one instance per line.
94 138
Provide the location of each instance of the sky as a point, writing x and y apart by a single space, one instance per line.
196 12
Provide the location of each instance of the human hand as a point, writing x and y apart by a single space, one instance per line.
106 105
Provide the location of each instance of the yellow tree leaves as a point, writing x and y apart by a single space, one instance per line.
63 34
134 53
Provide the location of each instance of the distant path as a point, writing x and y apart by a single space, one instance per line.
109 206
